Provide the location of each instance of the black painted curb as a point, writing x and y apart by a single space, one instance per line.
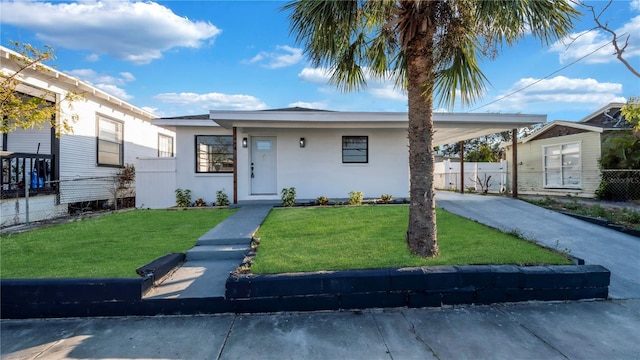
416 287
604 223
356 289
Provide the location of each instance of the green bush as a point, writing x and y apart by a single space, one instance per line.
221 198
288 197
183 198
355 197
322 200
386 198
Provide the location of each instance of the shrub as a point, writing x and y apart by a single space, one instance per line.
322 200
355 197
200 202
385 198
221 198
288 197
183 198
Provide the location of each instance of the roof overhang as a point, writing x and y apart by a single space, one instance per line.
449 127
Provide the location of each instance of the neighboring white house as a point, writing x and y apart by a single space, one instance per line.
77 167
253 155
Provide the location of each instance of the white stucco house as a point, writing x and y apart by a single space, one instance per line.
77 167
253 155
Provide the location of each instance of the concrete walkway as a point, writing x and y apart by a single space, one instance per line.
217 252
595 244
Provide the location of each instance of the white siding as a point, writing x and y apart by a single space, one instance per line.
26 141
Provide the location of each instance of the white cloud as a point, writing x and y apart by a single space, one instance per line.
310 105
577 45
92 57
106 83
283 56
556 91
134 31
635 5
378 88
212 101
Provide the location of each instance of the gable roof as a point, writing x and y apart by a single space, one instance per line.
63 80
561 123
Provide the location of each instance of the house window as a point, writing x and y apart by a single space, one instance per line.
165 146
214 153
562 166
110 142
355 149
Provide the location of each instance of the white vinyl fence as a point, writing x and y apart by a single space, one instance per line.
478 176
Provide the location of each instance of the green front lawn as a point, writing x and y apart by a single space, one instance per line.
367 237
113 245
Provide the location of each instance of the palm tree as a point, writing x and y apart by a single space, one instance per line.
430 48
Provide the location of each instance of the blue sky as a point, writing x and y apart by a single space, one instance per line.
188 57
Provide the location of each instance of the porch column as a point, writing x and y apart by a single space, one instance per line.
235 166
461 144
514 161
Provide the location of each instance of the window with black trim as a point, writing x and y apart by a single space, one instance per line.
165 146
355 149
214 153
110 142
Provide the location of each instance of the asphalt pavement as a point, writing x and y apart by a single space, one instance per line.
607 329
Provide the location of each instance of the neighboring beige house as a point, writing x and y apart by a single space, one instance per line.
562 158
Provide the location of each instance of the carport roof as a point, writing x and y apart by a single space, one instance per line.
449 127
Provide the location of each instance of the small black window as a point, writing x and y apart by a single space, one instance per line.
214 153
110 142
165 146
355 149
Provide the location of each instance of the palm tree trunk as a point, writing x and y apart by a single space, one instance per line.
421 232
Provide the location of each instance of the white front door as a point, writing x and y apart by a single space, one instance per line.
263 165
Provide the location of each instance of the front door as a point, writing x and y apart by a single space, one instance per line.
263 165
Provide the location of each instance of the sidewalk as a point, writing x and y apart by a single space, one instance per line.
574 330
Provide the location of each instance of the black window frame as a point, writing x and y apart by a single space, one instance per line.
120 144
165 154
365 149
228 154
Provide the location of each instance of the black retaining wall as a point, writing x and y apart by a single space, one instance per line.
357 289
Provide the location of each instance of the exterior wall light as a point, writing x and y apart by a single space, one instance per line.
244 142
302 142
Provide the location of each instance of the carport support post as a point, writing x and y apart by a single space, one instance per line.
461 144
235 165
514 161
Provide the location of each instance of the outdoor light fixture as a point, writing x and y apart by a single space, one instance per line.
302 142
244 142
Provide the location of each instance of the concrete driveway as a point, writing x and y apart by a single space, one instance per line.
618 252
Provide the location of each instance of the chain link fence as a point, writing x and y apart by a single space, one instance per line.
619 185
30 201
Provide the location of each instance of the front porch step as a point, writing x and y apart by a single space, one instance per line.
223 241
217 252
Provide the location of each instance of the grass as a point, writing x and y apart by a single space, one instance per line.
113 245
367 237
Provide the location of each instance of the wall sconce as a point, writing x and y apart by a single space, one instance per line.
244 142
302 142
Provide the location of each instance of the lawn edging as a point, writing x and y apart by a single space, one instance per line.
428 286
330 290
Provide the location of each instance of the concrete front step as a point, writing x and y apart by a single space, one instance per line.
223 241
217 252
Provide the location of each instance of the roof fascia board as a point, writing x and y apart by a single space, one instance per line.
185 122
